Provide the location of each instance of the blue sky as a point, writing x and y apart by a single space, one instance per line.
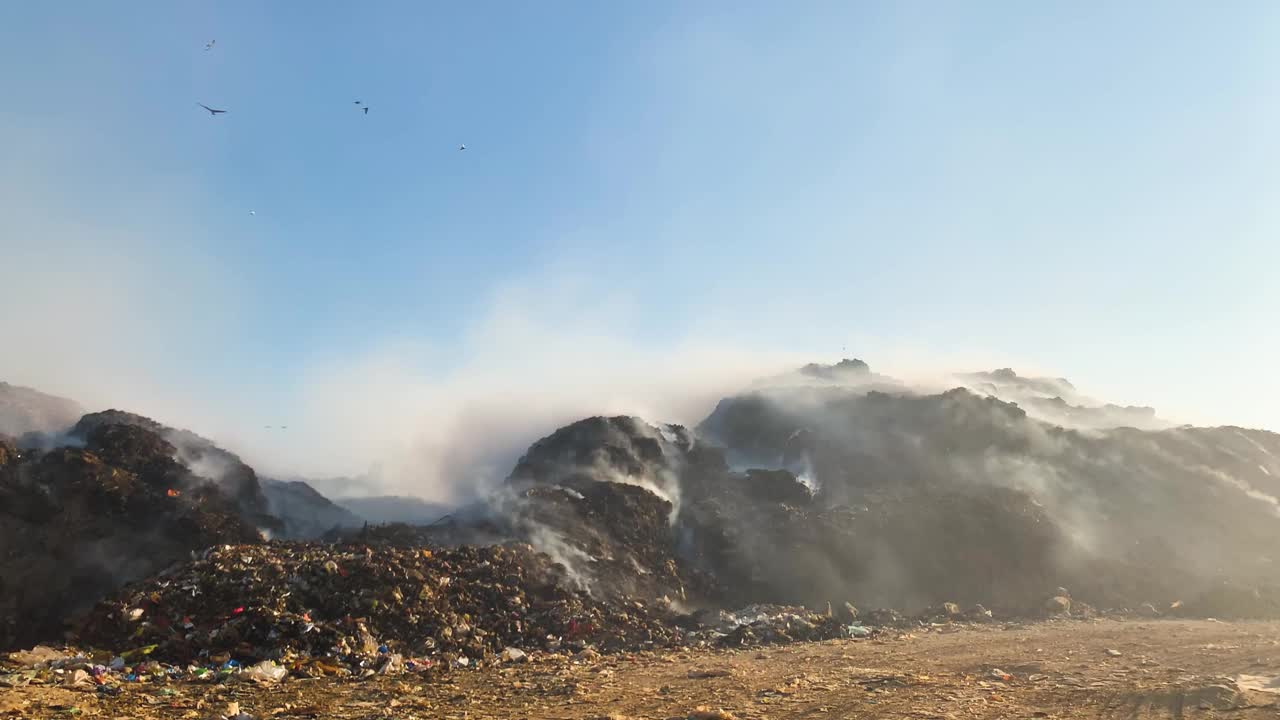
1086 189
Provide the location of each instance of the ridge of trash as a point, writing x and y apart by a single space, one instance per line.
790 504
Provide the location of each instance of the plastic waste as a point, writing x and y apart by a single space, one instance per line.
36 656
513 655
391 663
267 671
857 630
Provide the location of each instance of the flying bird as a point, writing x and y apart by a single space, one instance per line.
211 110
366 109
209 45
462 147
357 102
253 212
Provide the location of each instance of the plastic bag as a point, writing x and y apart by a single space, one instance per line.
267 671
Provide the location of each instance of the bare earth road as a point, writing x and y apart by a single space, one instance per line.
1103 669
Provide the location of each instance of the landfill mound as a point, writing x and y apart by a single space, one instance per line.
77 523
316 607
823 488
964 496
727 538
319 609
596 497
236 479
118 496
285 509
831 487
1057 401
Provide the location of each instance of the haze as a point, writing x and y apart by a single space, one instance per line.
658 202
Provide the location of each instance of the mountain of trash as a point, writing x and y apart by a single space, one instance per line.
834 484
965 496
114 497
830 488
78 522
360 606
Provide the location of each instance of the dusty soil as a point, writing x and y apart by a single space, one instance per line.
1102 669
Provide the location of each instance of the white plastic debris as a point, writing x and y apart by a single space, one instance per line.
267 671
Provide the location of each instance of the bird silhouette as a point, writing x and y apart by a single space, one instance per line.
211 110
462 147
357 102
366 109
209 45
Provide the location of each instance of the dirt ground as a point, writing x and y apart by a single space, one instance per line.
1102 669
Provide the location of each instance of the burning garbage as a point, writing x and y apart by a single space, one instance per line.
610 531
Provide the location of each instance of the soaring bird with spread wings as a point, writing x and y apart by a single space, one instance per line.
213 112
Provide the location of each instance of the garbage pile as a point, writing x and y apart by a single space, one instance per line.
923 497
595 497
652 510
771 624
78 522
607 489
138 443
118 497
314 607
832 488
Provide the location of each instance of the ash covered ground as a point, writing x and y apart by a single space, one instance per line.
827 502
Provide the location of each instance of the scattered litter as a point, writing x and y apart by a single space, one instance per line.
38 656
513 655
857 631
266 671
